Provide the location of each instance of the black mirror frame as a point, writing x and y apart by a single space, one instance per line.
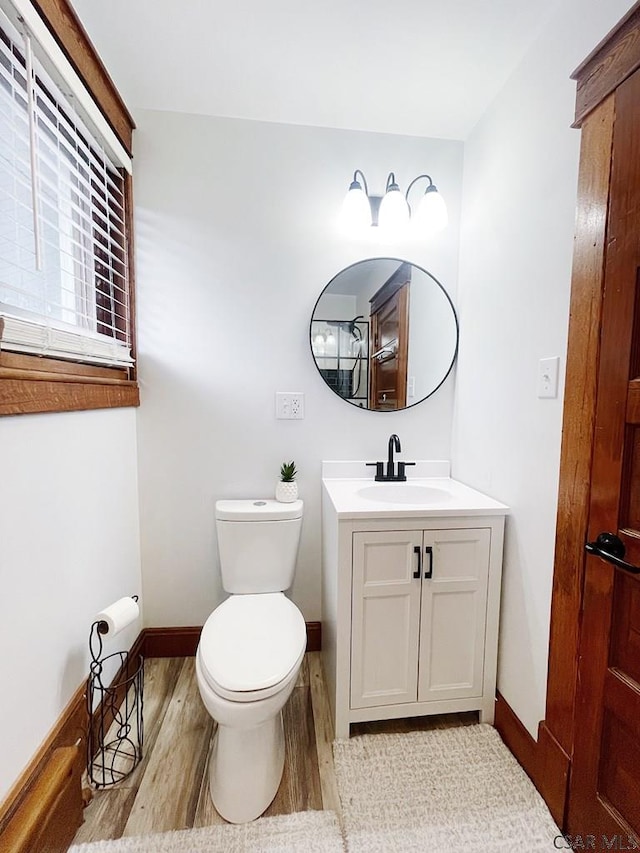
455 351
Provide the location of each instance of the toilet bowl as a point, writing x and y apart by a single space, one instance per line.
247 663
250 652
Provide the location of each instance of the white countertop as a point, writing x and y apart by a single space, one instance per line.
419 496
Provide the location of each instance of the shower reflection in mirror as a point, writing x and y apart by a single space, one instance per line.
384 334
341 350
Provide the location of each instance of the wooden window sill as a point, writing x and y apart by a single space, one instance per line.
31 384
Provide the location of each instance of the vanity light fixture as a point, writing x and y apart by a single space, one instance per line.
331 347
319 344
324 343
392 212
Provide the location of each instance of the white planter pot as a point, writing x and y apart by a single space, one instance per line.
286 492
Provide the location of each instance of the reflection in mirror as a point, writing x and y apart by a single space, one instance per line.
384 334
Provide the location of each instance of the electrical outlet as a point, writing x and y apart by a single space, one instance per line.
297 406
289 405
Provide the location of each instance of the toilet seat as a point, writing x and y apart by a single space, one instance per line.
250 645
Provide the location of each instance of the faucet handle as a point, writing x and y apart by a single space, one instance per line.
379 469
401 466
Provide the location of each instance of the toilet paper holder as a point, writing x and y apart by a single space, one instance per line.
114 703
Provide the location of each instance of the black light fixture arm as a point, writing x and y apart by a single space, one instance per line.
428 189
391 183
355 181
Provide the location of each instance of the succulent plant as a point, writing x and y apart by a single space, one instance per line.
288 472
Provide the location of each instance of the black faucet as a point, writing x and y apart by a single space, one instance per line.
391 475
394 444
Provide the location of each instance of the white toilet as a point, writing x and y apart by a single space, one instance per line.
250 652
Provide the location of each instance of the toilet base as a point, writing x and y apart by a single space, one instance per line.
246 768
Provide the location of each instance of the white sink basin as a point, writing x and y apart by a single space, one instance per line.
429 492
404 493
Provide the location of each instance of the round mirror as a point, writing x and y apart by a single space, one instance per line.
384 334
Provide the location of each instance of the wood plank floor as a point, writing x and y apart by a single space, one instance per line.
170 788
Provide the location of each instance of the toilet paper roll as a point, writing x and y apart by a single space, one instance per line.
117 616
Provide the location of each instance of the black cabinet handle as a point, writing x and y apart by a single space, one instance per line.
418 571
428 550
611 548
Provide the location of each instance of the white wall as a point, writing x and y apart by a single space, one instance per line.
520 176
69 546
236 238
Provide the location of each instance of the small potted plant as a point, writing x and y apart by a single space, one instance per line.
287 488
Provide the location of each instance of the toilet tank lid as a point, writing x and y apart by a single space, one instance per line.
257 509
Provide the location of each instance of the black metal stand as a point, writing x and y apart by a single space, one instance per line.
115 736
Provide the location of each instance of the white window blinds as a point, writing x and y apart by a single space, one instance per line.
63 237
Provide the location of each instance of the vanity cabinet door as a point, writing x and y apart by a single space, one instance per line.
453 614
385 618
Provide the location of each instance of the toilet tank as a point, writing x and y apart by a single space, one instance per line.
258 544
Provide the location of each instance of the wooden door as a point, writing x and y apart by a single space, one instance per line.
604 787
385 617
453 613
389 349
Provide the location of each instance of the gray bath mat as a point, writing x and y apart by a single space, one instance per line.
438 791
310 832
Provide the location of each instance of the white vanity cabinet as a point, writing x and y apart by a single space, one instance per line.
410 610
419 607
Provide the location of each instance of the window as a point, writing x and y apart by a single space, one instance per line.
65 301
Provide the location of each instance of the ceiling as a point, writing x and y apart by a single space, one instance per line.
415 67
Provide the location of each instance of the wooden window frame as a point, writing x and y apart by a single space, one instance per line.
33 383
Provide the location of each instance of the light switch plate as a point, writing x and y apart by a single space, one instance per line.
548 369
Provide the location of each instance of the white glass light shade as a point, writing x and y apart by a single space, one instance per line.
431 215
355 214
393 216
